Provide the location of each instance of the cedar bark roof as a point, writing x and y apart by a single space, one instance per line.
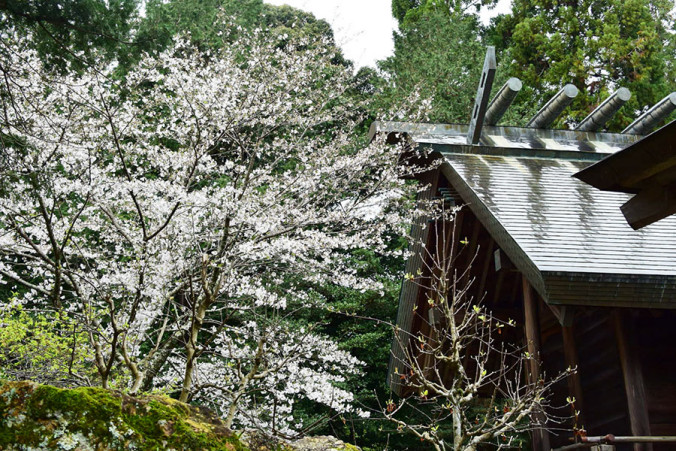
569 239
646 168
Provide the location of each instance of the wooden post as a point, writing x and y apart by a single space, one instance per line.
633 379
574 384
532 333
540 436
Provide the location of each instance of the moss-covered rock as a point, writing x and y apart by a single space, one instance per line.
259 441
42 417
37 417
322 443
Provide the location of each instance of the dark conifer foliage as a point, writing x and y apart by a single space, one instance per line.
71 30
597 45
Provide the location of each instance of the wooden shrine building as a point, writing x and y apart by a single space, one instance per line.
558 256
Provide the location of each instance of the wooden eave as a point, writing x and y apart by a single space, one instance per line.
646 168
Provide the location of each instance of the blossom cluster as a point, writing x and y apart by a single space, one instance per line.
177 212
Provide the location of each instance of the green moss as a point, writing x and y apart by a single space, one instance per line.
87 409
46 417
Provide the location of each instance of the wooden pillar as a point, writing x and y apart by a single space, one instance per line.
574 384
633 378
532 329
540 436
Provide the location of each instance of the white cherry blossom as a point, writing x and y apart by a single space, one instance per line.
180 212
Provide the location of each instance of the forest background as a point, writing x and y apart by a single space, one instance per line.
598 45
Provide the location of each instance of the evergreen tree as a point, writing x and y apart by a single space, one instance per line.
408 12
68 31
201 19
439 52
441 56
598 45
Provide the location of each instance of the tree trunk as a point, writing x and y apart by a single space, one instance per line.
191 350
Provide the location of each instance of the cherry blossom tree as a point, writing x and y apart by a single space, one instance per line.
174 213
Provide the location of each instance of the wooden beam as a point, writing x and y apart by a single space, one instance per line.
650 205
502 100
554 107
501 261
483 93
540 436
634 387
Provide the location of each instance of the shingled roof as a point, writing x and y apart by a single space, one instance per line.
569 239
646 168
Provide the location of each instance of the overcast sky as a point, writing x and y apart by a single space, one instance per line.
363 28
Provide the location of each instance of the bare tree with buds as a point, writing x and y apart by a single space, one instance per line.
468 385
